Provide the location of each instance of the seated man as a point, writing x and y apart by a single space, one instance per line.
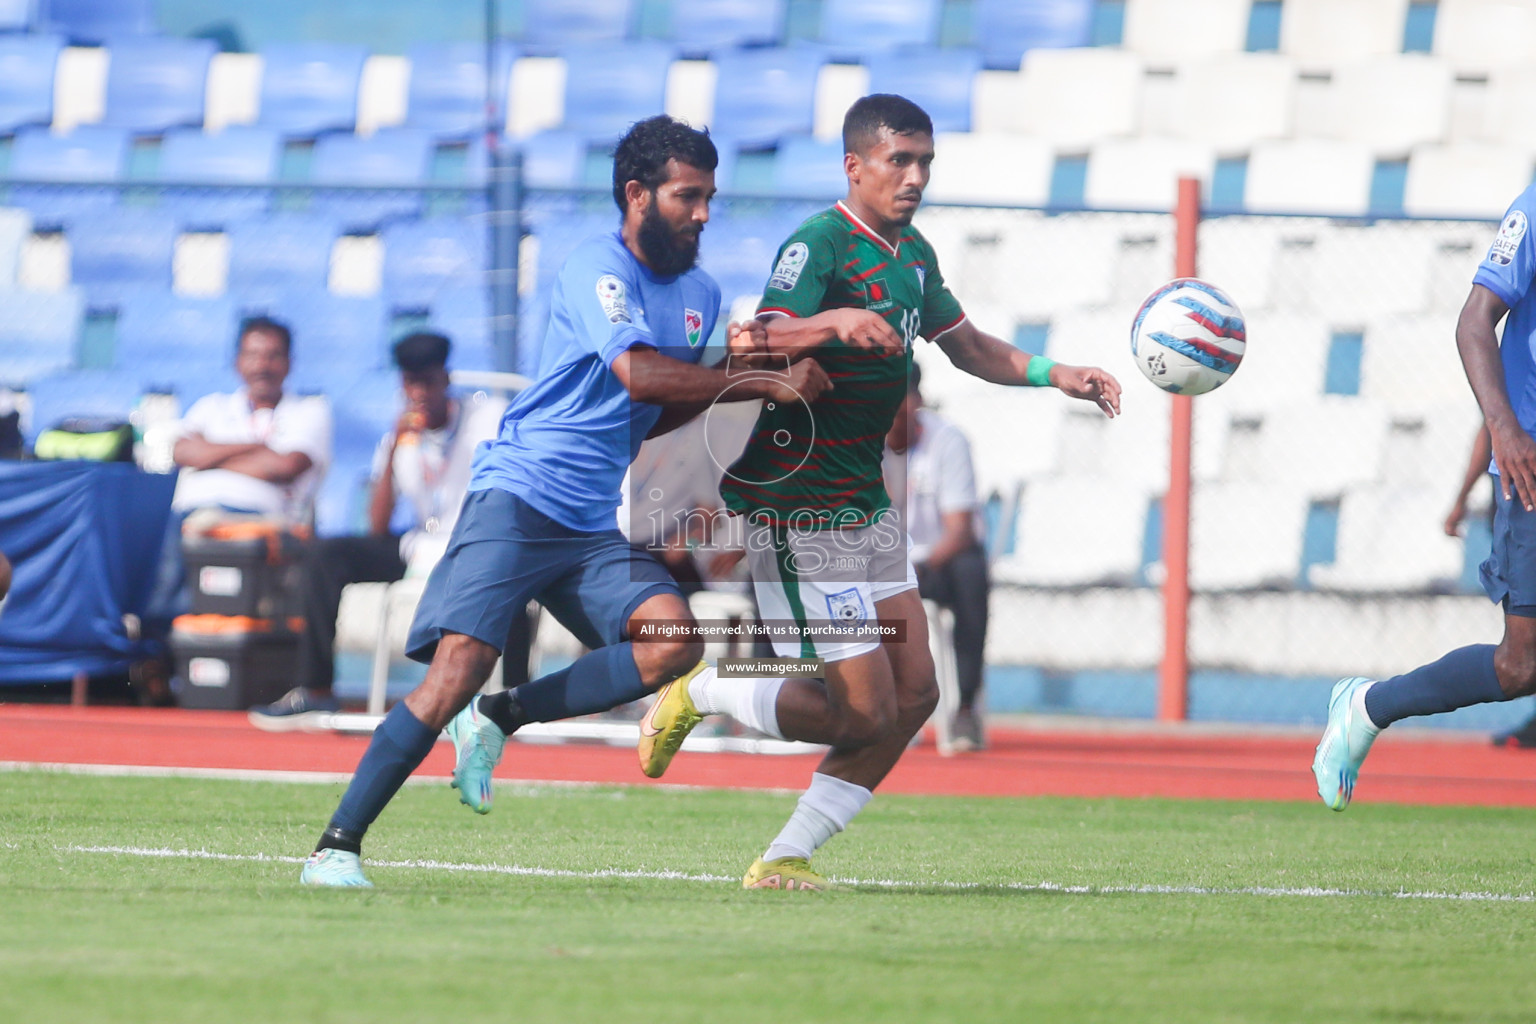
256 450
928 459
423 464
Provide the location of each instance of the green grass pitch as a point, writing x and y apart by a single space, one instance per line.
968 936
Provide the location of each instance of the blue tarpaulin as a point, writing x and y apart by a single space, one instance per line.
84 539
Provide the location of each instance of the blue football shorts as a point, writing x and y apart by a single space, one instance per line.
1509 573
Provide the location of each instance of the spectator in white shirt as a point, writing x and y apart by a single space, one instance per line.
256 450
928 460
422 466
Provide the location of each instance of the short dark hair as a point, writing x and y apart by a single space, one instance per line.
879 110
424 350
645 149
265 325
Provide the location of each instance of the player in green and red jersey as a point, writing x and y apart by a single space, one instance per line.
853 288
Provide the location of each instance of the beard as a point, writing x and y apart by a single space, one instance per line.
669 252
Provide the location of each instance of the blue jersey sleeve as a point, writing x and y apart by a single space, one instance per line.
602 295
1511 260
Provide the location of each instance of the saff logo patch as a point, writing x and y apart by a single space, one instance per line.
693 326
1504 247
786 273
612 297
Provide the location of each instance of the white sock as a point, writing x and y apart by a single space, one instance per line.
1357 702
824 810
752 702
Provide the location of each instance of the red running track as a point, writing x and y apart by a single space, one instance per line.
1079 762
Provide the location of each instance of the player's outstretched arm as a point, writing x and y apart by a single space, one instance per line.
993 359
1477 340
794 336
657 379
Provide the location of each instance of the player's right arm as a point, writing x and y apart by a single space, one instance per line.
792 302
649 376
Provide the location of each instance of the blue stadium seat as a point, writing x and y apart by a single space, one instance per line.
80 393
551 24
447 90
764 94
38 332
90 153
334 336
162 337
421 258
274 255
399 157
154 84
463 313
238 155
808 168
856 28
96 21
26 80
700 27
609 87
939 81
119 252
1004 29
738 252
15 15
553 160
309 88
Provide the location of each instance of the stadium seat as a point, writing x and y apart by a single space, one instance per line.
859 28
1391 540
738 252
701 27
81 393
1079 97
1026 272
1075 531
398 157
1317 428
1224 519
1233 101
1322 33
552 24
553 160
163 337
609 87
1357 273
1392 103
448 88
87 158
537 96
421 258
272 256
939 81
15 230
96 22
310 88
1477 36
334 336
15 15
120 252
1409 363
38 333
807 168
1283 365
1317 176
763 95
154 83
27 66
1143 173
1175 31
1004 30
238 155
965 169
1510 113
1466 180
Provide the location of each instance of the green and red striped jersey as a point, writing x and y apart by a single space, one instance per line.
818 466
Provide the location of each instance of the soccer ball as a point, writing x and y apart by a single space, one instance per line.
1188 337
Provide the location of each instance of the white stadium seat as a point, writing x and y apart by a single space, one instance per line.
1322 33
1015 434
837 87
1391 103
1076 97
15 229
1321 448
1074 531
1142 173
1410 363
1390 539
1428 446
1041 265
1283 364
691 92
1476 36
1245 535
538 96
234 90
1321 176
381 92
997 102
1465 180
1175 30
988 167
79 87
1234 100
1357 272
1240 253
1509 117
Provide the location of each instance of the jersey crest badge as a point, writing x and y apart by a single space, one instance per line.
846 607
610 293
922 278
693 326
786 273
877 295
1504 247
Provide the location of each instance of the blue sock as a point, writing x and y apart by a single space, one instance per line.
1465 676
399 745
602 679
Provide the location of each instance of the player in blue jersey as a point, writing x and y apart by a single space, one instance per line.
1504 382
629 320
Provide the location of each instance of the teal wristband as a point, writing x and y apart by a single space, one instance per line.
1038 373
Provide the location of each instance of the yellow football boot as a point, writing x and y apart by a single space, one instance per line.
784 873
670 719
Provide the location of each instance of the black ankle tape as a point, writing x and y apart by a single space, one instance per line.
334 838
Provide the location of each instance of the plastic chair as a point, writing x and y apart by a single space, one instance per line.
1004 30
15 15
121 252
1318 176
96 21
1323 33
1476 36
26 80
93 156
38 332
154 84
309 88
808 168
448 88
1465 180
400 157
1235 100
80 393
551 24
939 81
1078 97
279 254
609 87
238 155
421 258
763 95
700 27
335 337
1143 173
863 27
553 160
1392 103
1181 30
162 337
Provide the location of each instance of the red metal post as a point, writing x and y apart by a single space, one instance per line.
1173 681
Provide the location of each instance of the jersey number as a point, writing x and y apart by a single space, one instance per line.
911 325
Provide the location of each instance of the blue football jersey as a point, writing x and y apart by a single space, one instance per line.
565 442
1506 271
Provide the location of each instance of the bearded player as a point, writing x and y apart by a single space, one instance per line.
853 288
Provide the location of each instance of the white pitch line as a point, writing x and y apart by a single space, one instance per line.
872 883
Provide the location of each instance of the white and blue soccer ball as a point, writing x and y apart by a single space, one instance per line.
1188 337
